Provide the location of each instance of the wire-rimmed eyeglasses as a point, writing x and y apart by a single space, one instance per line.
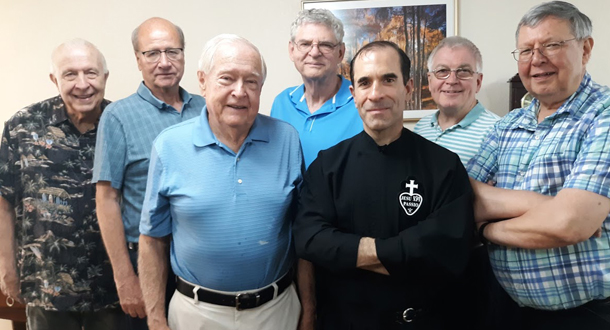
173 54
548 49
460 73
324 47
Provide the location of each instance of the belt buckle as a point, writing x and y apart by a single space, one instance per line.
239 303
408 315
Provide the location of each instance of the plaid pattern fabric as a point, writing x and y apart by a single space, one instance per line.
569 149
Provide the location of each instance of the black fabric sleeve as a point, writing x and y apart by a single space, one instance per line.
442 241
316 235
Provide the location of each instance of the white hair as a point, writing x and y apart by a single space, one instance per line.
206 61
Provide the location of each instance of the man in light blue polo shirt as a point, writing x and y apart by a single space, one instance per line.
125 135
322 108
455 76
222 190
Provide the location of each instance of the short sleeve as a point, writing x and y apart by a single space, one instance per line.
484 165
156 217
591 170
110 150
7 166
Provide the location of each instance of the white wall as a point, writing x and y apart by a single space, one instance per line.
30 29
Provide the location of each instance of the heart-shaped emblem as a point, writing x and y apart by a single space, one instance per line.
410 202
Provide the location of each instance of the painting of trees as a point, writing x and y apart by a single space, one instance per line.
416 29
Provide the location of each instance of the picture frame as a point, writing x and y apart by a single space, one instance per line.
416 26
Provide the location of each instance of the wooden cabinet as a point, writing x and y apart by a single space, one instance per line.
517 91
16 313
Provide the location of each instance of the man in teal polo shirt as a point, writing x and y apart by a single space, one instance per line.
322 108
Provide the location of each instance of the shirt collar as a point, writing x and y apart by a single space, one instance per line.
573 103
203 135
470 117
59 114
343 97
145 93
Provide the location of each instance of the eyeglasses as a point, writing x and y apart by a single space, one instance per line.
323 47
173 54
460 73
549 49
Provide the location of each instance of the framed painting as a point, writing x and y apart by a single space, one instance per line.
416 26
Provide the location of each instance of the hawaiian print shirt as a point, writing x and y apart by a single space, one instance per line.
45 173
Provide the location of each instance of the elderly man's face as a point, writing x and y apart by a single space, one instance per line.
379 92
80 78
164 74
315 63
452 94
554 78
233 87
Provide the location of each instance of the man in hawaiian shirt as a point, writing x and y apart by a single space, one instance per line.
51 251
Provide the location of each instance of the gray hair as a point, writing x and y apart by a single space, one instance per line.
206 61
580 24
458 42
318 16
136 32
75 44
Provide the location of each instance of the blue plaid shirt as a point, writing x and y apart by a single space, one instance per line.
569 149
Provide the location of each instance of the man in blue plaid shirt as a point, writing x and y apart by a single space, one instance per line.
550 163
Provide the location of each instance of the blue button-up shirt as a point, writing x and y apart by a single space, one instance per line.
569 149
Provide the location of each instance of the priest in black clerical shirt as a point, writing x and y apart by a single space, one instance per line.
386 216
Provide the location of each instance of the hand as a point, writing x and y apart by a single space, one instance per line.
130 296
11 287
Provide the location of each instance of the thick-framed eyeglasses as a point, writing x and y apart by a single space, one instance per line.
548 49
323 47
173 54
460 73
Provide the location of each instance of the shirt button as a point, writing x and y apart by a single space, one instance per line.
239 181
537 137
237 158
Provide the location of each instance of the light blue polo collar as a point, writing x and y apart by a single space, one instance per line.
203 135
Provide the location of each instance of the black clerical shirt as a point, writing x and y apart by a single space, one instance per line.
414 198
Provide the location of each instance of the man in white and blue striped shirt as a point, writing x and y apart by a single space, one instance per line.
454 75
460 125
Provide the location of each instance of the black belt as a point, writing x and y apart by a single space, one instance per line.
409 315
240 301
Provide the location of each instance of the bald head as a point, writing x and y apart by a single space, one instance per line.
79 72
152 24
76 45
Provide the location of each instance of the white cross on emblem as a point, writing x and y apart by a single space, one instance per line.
410 201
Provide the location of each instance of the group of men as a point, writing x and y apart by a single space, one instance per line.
383 219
